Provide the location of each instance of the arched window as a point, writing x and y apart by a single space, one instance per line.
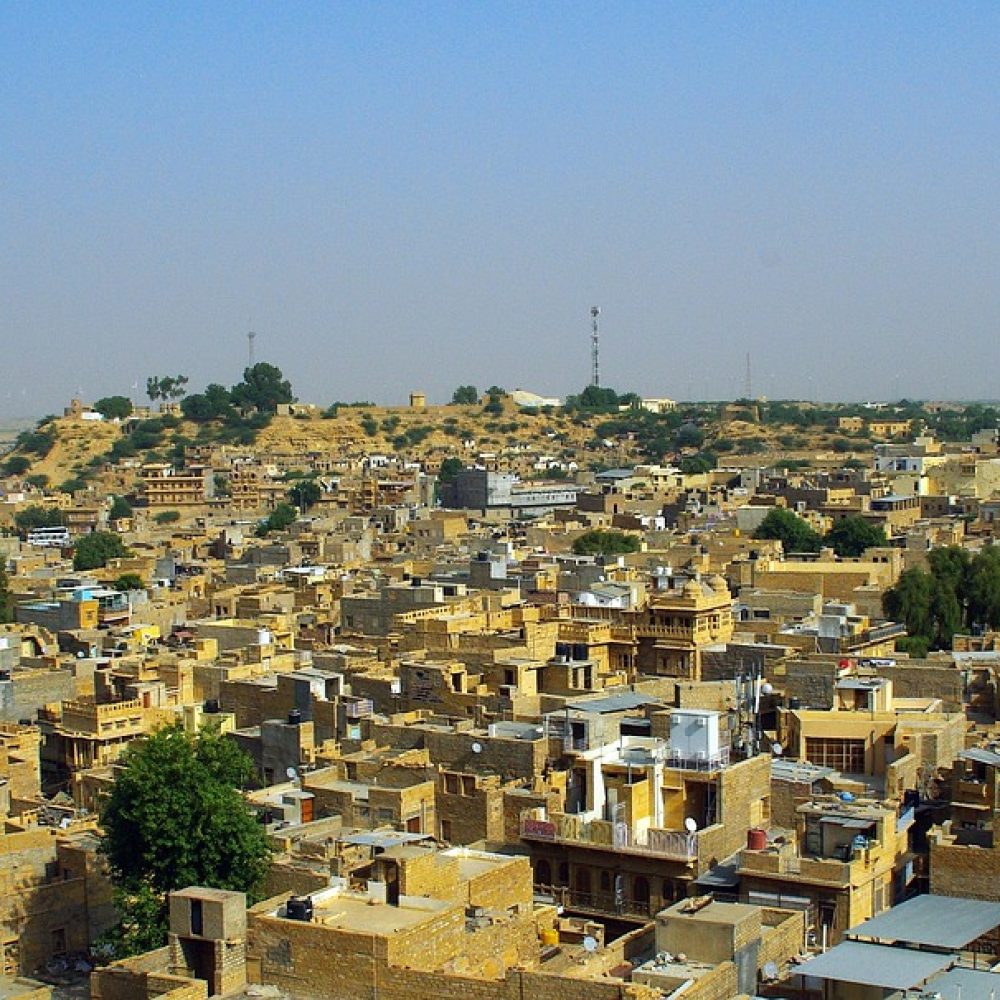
543 872
583 881
563 876
605 881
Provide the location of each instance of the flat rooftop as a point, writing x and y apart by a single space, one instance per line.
355 913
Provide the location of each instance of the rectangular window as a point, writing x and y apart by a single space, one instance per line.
847 756
197 918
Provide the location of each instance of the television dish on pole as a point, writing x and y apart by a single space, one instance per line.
691 825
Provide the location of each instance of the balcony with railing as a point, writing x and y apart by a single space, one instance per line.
879 633
602 835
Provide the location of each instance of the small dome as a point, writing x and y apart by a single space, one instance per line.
718 584
691 589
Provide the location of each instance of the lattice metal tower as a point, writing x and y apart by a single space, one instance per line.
595 355
251 336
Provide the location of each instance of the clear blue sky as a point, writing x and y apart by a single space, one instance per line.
404 195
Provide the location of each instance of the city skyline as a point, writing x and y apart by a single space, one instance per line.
416 198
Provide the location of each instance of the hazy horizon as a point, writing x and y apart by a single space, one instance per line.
406 196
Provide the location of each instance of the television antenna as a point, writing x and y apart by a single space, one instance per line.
691 825
595 360
590 944
477 747
291 774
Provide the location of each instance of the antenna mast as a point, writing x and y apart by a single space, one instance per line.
748 388
250 339
595 359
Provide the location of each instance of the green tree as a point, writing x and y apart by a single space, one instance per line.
788 528
305 493
129 581
215 403
114 407
984 588
16 465
450 468
175 817
263 388
910 601
166 387
120 507
6 598
283 516
605 543
167 517
94 550
850 536
916 645
37 516
465 394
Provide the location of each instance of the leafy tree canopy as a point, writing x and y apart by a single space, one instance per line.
605 543
129 581
37 516
94 550
283 516
263 388
166 386
467 394
305 493
112 407
175 817
788 528
215 403
850 536
6 598
16 465
450 468
120 507
961 592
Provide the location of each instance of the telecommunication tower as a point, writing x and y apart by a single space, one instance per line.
595 356
250 339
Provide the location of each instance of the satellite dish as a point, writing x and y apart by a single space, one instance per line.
590 944
776 749
477 747
770 970
767 688
690 825
291 774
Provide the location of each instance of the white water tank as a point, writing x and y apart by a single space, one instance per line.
694 733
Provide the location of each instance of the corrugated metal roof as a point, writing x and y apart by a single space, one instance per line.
939 921
799 771
966 984
613 703
982 755
875 965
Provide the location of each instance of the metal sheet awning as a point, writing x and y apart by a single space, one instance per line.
876 965
981 755
937 921
966 984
